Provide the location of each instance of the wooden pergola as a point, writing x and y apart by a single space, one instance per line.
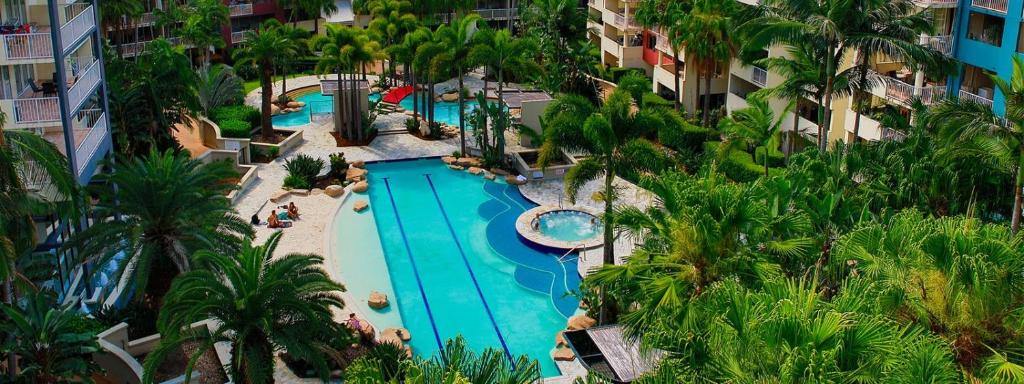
607 351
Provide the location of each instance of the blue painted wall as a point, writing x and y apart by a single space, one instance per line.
983 55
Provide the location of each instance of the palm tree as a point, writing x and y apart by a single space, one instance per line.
505 54
456 362
612 139
754 126
391 22
218 86
154 212
295 43
801 72
52 345
982 133
459 40
201 25
347 48
317 7
432 61
119 14
262 305
264 49
709 41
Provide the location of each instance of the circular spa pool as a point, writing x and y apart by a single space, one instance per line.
561 228
568 225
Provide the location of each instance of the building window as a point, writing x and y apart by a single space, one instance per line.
978 81
652 41
14 12
985 28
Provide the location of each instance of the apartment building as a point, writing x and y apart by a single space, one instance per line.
626 44
52 84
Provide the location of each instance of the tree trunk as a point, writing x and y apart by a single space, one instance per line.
462 114
708 72
608 255
499 125
12 359
679 91
267 130
415 98
284 80
859 97
697 85
829 86
1018 194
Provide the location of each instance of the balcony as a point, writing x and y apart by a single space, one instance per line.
77 28
33 110
936 3
27 46
237 10
967 95
85 83
992 5
619 20
759 76
903 93
870 129
239 37
85 150
596 4
134 49
496 13
941 43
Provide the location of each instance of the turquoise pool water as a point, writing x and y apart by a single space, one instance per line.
443 246
444 111
569 225
315 101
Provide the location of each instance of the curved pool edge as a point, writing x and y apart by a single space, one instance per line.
526 231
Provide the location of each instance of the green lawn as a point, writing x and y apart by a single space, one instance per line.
250 85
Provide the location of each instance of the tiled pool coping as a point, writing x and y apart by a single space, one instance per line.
525 228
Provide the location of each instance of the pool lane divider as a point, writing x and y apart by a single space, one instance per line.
415 270
469 269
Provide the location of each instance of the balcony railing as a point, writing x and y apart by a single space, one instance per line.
995 5
936 3
36 110
892 134
134 49
77 27
967 95
238 37
87 80
240 10
759 76
621 21
496 13
86 150
28 46
942 43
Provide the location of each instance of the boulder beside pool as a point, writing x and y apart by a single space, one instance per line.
560 339
378 300
455 167
359 164
355 174
475 170
398 333
450 97
448 159
513 180
360 205
334 190
361 187
580 322
563 354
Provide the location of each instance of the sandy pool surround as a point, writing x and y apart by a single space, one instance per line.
524 225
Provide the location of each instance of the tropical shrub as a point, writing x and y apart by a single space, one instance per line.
339 165
235 129
679 134
776 158
740 166
244 113
412 126
652 100
53 342
302 170
636 84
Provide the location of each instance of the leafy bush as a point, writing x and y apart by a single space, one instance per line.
617 73
636 84
302 171
339 165
740 166
651 100
679 134
141 319
274 152
236 112
235 129
775 157
295 182
412 125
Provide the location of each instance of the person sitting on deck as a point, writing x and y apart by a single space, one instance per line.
354 323
293 211
275 221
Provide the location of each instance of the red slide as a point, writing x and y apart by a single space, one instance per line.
395 95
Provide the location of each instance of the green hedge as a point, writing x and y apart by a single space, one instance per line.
739 165
679 135
775 157
651 99
237 129
617 73
236 112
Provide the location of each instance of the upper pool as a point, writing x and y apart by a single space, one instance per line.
443 246
315 102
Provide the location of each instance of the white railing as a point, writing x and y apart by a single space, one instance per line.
942 43
147 18
238 37
327 87
77 27
622 21
936 3
496 13
240 9
966 95
28 46
85 151
87 80
134 49
36 110
995 5
759 76
892 134
932 94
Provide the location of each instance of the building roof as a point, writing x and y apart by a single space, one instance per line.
606 350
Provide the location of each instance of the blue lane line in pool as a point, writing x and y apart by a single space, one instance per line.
470 270
415 271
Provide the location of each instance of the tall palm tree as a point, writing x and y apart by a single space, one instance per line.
754 126
262 305
669 16
154 212
801 72
347 48
295 41
612 138
315 8
391 21
263 49
982 133
459 40
52 346
432 61
505 54
120 15
201 25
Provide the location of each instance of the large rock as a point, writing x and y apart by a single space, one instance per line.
361 187
475 170
456 167
300 192
514 181
274 110
334 190
355 174
401 334
580 322
358 164
377 300
449 97
563 354
360 205
279 195
448 159
560 339
294 104
368 330
469 162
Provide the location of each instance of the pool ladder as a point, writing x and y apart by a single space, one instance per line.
562 258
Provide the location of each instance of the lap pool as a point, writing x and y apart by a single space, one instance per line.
443 246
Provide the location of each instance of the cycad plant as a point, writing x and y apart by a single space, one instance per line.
49 340
261 304
217 86
154 212
755 126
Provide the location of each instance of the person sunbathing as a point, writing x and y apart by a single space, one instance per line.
293 211
274 221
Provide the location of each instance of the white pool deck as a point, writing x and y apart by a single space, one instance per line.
310 234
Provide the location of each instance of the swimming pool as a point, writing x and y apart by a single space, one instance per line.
569 225
444 111
442 245
316 102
